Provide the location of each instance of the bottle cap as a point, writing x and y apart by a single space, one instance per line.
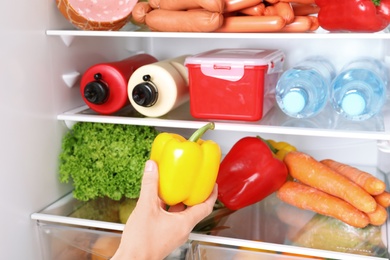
353 104
294 101
96 92
145 93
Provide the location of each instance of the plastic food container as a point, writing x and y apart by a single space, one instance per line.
233 84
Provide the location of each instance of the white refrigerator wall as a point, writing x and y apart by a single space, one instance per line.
33 68
33 93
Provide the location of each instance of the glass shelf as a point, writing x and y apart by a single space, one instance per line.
324 125
131 30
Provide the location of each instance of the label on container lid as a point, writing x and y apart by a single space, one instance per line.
229 64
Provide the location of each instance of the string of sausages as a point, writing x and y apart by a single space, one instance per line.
243 16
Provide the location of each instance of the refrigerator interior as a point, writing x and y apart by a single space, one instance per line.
43 58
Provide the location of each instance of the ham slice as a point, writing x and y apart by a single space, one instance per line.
98 15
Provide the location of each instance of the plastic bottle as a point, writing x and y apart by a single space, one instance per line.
157 88
303 90
359 91
103 86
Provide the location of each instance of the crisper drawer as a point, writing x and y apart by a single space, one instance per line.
270 229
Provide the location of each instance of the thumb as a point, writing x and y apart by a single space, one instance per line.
149 186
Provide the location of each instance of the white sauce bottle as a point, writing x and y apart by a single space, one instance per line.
157 88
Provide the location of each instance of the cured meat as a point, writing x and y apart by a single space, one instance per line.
98 15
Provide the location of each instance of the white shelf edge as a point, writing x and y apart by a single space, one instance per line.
255 127
278 247
379 35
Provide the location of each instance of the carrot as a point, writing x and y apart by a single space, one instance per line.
383 199
300 24
255 10
246 24
372 185
306 169
378 217
309 198
305 9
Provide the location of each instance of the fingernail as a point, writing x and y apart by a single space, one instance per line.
149 166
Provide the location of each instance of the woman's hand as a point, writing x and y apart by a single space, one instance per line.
152 232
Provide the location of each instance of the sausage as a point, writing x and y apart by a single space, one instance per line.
139 12
90 16
300 24
282 9
314 23
306 2
181 5
236 5
183 21
305 9
254 10
247 24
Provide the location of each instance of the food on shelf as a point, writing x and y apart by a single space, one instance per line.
105 160
309 171
327 233
307 197
335 189
249 173
369 183
198 20
97 15
227 16
213 6
354 15
280 148
383 199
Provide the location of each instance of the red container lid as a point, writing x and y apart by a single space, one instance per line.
229 64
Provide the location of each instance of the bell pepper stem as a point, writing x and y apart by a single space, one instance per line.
273 149
198 133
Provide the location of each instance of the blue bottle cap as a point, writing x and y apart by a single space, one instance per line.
294 102
353 104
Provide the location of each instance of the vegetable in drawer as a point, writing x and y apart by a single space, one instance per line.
249 173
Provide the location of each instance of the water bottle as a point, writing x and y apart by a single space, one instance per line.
359 91
303 90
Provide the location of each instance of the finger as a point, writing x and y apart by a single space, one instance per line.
198 212
177 208
149 185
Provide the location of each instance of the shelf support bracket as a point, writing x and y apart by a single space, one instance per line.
71 78
67 39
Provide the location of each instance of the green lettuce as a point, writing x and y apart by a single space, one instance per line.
105 160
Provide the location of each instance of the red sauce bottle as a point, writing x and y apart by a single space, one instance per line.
103 86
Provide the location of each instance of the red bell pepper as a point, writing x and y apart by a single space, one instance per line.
249 173
353 15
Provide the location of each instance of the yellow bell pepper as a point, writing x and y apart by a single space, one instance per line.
282 148
188 169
